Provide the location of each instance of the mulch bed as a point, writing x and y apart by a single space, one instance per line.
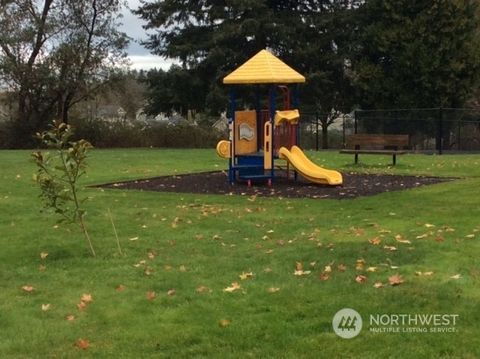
354 185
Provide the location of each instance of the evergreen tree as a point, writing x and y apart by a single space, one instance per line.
211 38
416 53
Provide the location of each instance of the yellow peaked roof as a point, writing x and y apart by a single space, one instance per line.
264 68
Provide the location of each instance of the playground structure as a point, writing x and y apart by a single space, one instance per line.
259 137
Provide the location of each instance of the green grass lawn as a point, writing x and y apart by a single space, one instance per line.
197 245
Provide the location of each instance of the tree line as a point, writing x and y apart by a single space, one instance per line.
367 54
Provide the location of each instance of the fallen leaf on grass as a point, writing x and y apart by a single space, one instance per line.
470 236
182 268
45 307
360 279
390 248
378 285
273 290
245 276
342 267
235 286
429 225
43 255
120 288
86 298
133 239
360 264
399 238
324 276
28 288
171 292
203 289
81 305
82 344
151 295
223 323
375 241
70 317
148 271
299 270
456 276
327 269
422 236
42 268
372 269
395 279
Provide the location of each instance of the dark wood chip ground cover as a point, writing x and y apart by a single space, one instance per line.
354 185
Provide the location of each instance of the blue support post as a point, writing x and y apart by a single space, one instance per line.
231 161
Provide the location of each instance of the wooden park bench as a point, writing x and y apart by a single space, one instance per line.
376 145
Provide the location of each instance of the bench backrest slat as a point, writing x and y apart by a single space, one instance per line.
368 141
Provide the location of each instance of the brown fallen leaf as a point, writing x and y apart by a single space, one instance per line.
151 295
81 305
70 317
372 269
360 264
42 268
360 278
375 241
148 271
223 323
378 285
246 275
28 288
82 344
120 288
45 307
273 290
86 298
203 289
342 267
395 279
328 269
43 255
299 270
399 238
235 286
324 276
390 248
456 276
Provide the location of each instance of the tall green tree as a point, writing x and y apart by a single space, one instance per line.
211 38
420 53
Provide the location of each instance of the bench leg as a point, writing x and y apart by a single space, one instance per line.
394 159
356 158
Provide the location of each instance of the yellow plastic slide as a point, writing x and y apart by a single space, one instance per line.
308 169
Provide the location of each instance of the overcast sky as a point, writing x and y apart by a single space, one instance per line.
139 56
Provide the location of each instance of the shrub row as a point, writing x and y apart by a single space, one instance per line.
105 134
